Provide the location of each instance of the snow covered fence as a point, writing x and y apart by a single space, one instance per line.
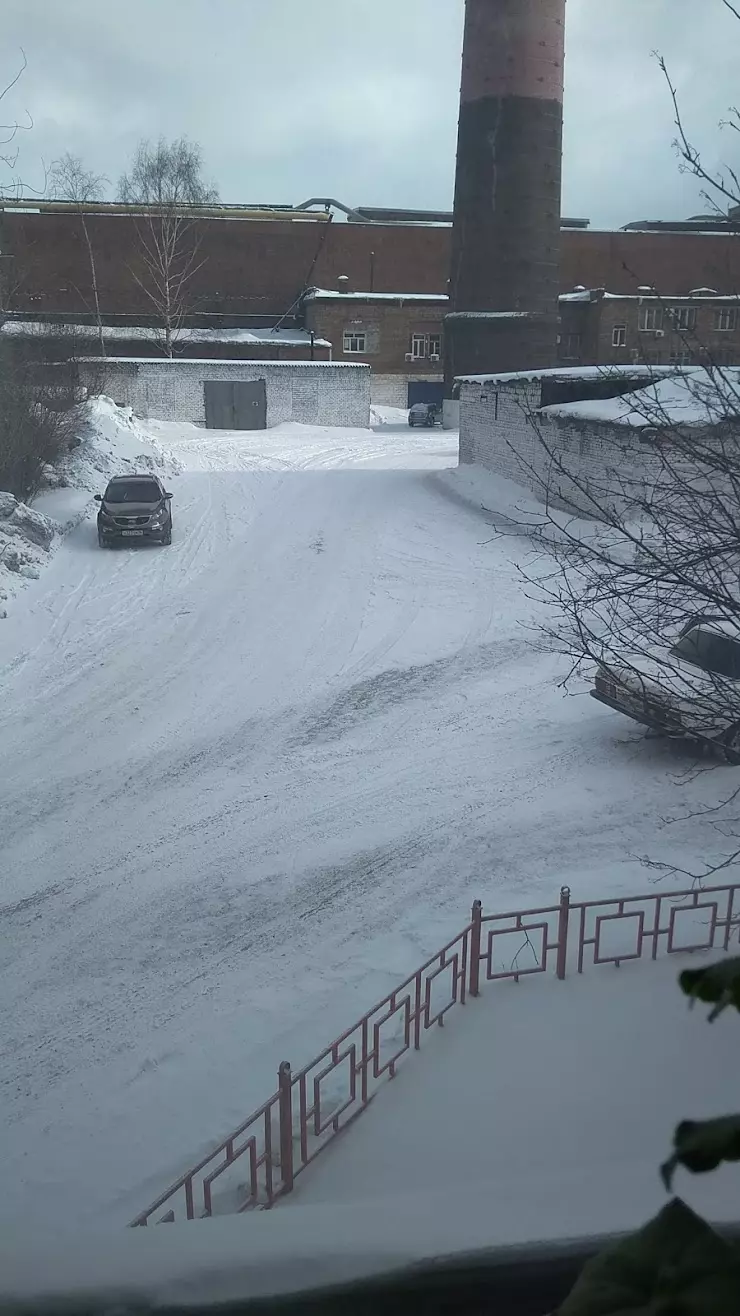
259 1162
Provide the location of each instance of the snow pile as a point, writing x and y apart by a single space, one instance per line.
26 537
389 416
113 443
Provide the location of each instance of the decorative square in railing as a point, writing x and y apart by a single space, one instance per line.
442 990
334 1089
234 1183
692 927
391 1036
619 937
516 952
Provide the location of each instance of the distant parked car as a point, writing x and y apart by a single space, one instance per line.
134 507
424 413
690 689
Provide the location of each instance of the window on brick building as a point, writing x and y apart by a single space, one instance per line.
571 347
419 346
435 345
683 318
651 319
725 319
619 335
681 358
354 341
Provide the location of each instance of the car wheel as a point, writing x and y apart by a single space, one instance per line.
101 540
731 745
167 537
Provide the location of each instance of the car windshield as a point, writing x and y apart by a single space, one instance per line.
133 491
714 653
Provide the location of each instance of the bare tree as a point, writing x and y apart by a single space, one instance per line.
166 181
70 181
660 542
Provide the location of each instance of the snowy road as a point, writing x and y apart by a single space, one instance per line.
247 782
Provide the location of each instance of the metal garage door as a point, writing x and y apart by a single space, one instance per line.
235 405
425 390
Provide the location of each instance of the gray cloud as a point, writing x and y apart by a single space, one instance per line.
358 98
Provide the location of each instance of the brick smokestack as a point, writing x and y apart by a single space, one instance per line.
506 234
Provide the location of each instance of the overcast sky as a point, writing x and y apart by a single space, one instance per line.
358 99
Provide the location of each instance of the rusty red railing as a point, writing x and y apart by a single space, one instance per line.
259 1162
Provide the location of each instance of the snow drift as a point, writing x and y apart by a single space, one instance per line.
113 443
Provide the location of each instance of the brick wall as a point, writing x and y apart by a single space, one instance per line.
164 390
588 332
259 267
388 331
501 430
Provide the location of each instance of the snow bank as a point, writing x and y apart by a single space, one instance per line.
26 538
389 416
113 443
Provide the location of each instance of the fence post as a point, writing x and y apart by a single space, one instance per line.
475 932
285 1092
563 931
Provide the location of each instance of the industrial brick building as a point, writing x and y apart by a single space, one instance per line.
285 284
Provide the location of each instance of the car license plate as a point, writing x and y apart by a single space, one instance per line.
132 532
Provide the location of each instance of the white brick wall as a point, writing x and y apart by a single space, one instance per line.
316 394
393 390
501 430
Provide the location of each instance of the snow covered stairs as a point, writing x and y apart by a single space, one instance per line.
258 1163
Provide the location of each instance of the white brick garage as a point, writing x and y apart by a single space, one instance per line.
312 392
510 423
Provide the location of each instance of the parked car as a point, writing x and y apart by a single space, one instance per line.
690 689
424 413
134 507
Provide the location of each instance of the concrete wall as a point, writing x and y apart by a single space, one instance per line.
315 394
502 430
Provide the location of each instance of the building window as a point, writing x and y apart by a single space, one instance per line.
572 347
682 358
725 319
418 346
619 335
435 344
651 319
354 341
683 318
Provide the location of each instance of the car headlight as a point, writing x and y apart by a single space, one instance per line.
158 517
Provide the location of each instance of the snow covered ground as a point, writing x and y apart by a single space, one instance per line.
248 782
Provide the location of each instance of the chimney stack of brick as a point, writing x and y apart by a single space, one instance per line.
506 233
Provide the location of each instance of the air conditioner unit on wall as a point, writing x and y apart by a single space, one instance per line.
410 356
660 333
434 356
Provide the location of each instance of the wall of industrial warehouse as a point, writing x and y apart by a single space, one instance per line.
503 430
313 393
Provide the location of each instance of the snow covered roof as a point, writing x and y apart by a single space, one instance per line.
694 397
598 294
568 372
329 294
215 362
138 332
490 315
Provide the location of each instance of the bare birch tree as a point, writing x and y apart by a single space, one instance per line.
166 181
70 181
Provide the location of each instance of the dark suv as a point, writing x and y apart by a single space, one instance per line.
134 507
424 413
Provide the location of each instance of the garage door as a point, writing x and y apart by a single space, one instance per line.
425 390
235 405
